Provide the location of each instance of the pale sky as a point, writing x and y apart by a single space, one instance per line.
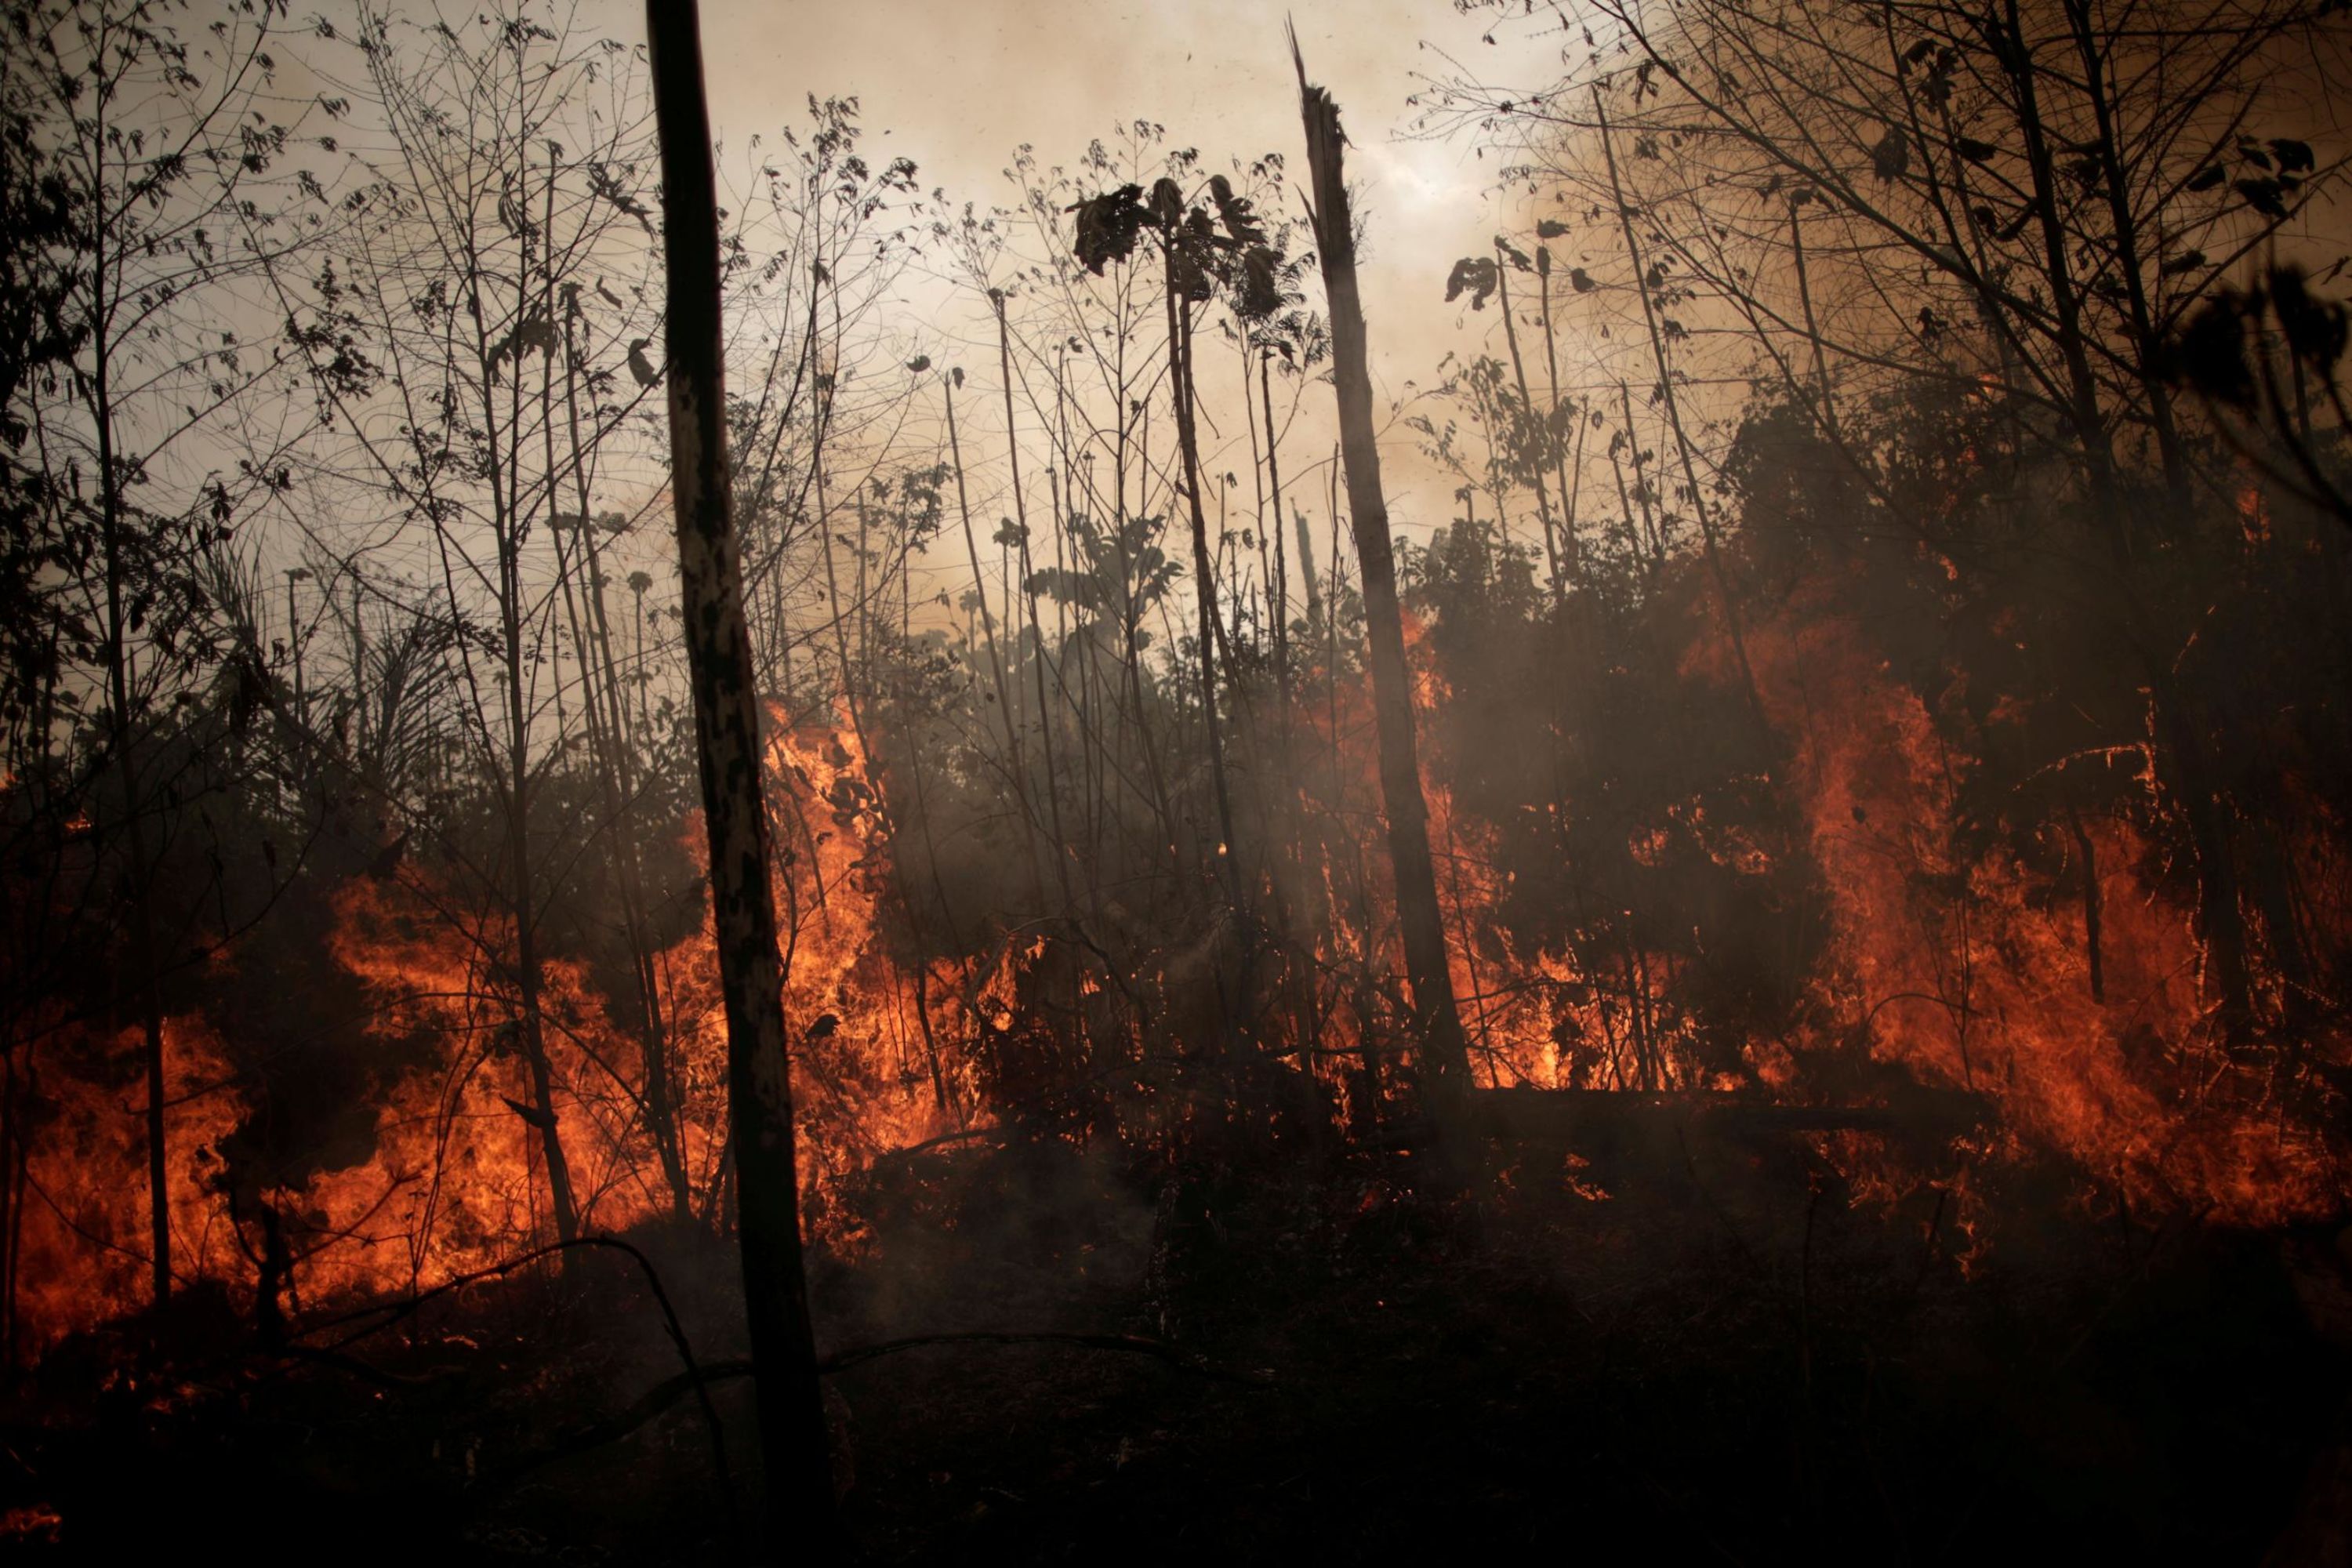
958 84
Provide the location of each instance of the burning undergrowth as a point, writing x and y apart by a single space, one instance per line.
1872 885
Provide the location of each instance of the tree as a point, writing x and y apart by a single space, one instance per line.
726 734
1438 1022
2022 205
497 253
155 188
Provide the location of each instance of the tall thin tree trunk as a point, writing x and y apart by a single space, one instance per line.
1708 540
1444 1053
118 675
1180 356
529 980
142 880
1650 537
1281 589
1528 409
1571 567
1827 413
1015 767
727 732
1058 849
608 739
2221 922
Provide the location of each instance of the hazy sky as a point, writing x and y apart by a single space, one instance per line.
959 84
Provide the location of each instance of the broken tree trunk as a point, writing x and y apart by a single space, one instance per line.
798 1472
1444 1053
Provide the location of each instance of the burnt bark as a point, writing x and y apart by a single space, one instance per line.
793 1438
1444 1052
2093 950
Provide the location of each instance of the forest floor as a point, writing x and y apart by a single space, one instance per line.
1726 1355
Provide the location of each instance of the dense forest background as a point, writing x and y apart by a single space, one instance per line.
1874 564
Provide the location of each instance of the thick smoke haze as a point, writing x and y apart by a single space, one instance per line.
990 847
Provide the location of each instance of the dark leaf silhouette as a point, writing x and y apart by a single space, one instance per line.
1892 156
639 365
1476 273
2265 196
1260 294
1167 203
1108 225
2210 355
1242 225
2316 329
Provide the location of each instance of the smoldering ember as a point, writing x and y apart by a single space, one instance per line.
1016 781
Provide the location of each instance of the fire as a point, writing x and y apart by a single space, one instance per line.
1973 972
455 1180
80 1251
1957 967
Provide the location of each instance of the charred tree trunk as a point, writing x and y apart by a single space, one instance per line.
2093 950
726 734
1444 1053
